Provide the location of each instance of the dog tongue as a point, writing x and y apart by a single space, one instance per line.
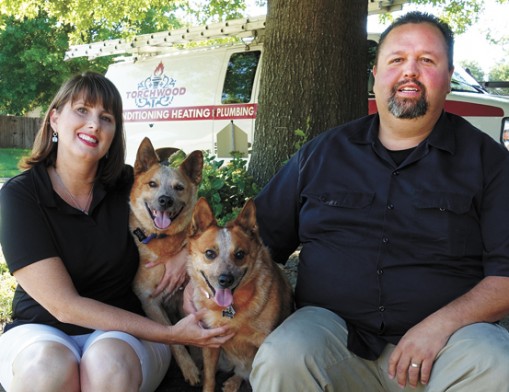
161 219
224 297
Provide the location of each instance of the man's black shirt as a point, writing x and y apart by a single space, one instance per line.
385 245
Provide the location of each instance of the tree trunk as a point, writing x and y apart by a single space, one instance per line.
314 75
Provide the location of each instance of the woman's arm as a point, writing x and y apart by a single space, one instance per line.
48 282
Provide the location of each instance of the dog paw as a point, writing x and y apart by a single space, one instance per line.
192 375
232 384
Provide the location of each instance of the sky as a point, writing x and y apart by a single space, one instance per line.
469 46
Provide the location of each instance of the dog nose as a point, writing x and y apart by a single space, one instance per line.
165 201
226 280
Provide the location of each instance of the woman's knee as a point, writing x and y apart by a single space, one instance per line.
49 365
110 365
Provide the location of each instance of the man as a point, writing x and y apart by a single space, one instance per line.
402 217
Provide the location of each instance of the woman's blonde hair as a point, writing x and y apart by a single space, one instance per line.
94 88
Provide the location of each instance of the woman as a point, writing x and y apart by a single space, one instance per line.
77 326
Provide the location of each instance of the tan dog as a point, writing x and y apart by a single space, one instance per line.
162 201
235 278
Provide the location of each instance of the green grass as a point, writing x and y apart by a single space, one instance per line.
9 158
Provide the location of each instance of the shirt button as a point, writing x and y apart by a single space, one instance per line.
385 240
390 206
379 271
381 308
395 173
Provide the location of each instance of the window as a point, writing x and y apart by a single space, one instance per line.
238 84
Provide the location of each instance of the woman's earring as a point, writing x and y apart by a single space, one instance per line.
54 139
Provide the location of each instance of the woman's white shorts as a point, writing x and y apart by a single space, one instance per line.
154 357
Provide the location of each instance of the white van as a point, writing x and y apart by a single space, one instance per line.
206 97
200 99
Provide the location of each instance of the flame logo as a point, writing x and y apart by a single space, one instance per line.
159 69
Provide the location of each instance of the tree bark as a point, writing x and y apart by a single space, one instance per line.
314 75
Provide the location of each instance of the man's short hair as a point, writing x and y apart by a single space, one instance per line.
417 17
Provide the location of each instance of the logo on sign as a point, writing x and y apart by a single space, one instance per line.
157 90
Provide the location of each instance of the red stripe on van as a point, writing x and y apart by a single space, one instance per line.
464 109
372 106
468 109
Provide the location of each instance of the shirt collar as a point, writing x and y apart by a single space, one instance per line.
47 196
441 137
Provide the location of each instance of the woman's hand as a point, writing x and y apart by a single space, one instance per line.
190 331
175 272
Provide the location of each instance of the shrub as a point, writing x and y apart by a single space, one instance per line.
7 286
226 185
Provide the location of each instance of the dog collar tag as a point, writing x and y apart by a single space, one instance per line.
229 312
140 234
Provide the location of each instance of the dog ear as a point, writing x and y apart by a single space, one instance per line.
203 217
193 166
247 217
145 157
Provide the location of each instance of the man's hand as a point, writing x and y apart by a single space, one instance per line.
175 272
486 302
412 359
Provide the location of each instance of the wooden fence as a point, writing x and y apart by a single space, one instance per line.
18 132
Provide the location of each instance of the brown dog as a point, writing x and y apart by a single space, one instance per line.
162 201
235 279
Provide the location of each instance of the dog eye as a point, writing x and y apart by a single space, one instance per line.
239 255
210 254
152 184
179 187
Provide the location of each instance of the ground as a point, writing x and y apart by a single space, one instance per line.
174 382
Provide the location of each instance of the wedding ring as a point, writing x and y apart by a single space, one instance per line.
415 365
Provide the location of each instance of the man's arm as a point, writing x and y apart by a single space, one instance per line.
488 301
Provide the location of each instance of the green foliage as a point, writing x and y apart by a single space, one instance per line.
475 69
226 186
176 159
31 63
126 17
460 14
7 286
34 36
206 11
9 159
500 73
302 137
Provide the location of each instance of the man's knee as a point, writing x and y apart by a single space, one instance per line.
477 356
